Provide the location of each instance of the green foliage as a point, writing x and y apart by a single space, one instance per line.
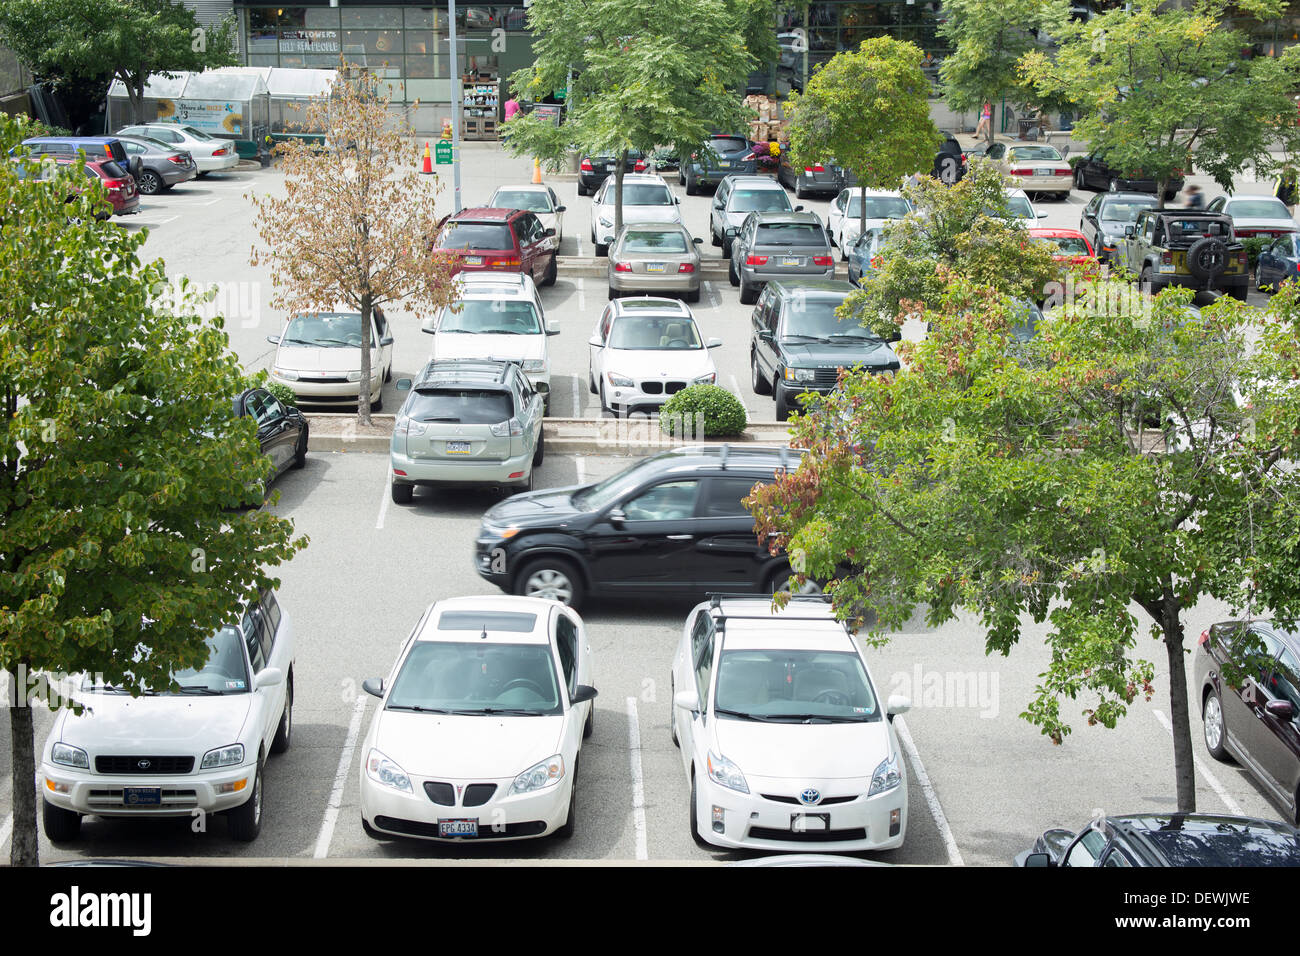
1253 246
1164 88
869 109
283 392
963 228
724 415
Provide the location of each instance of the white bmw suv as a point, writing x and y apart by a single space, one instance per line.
783 736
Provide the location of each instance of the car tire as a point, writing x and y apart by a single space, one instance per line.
1145 283
554 578
552 272
1078 179
582 190
692 187
672 714
604 406
589 725
748 294
60 825
732 277
681 176
388 374
726 249
799 191
149 182
782 404
602 249
760 385
1240 292
570 825
300 450
713 238
245 821
591 382
402 493
695 817
1215 726
692 296
540 451
284 733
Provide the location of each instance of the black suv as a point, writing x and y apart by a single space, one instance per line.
799 345
1184 247
671 524
1168 839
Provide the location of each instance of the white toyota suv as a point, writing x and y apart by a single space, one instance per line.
783 736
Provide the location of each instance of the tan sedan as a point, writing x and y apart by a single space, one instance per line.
1034 167
653 258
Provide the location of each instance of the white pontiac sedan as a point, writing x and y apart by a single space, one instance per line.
480 732
202 748
784 739
646 198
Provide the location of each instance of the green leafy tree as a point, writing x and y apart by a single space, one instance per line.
122 468
1163 89
965 228
640 79
988 38
868 110
1016 480
76 38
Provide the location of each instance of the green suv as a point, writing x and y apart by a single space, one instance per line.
1185 247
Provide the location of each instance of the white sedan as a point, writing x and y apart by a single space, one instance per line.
844 219
1021 210
783 736
319 358
537 199
210 153
646 198
201 749
480 732
1255 215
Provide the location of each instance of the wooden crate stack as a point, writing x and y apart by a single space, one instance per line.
770 125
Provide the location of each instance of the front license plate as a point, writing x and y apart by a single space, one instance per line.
458 448
141 796
457 828
473 260
1042 172
654 267
804 822
791 261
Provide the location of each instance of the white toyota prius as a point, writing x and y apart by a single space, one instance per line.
480 732
783 737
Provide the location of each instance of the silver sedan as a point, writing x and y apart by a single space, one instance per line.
653 258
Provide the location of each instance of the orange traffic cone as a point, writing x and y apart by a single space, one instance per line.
428 161
537 172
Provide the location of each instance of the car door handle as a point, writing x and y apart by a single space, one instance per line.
680 537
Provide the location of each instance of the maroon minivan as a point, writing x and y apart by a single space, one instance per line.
501 240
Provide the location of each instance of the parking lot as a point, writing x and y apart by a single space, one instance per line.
985 784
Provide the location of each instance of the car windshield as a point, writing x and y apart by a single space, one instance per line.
1019 208
642 194
814 318
654 242
879 207
613 488
477 679
759 200
727 144
1022 154
224 672
790 234
195 133
459 406
1067 245
647 332
794 686
1258 209
330 331
496 316
476 235
530 199
1125 210
869 241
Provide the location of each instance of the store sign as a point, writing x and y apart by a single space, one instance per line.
309 41
442 153
210 116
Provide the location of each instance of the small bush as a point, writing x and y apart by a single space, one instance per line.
284 393
1254 245
724 415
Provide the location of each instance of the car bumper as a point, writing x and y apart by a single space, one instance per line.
492 563
754 276
441 471
127 207
182 794
820 183
1222 283
209 164
1045 184
754 822
713 176
325 393
176 175
647 282
504 817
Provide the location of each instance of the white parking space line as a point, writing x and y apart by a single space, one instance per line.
577 399
638 787
735 390
580 466
927 788
340 781
383 502
715 297
163 222
582 306
6 828
1220 790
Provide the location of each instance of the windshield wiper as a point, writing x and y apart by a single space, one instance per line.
513 711
419 710
336 342
803 718
741 714
853 335
298 341
200 689
454 421
790 337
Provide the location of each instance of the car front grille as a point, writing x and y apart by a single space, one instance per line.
656 387
477 794
824 802
137 765
169 799
440 793
826 377
808 836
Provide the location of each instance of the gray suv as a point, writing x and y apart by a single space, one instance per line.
736 198
778 245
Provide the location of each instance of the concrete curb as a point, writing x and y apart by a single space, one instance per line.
714 269
565 436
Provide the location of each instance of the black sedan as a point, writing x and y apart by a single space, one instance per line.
594 170
281 429
1168 839
1093 172
671 524
161 166
1278 262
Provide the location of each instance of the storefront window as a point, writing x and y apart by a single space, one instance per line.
375 43
373 18
261 31
426 66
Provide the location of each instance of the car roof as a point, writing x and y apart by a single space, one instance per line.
479 372
650 305
1207 839
490 606
654 227
719 459
87 140
486 214
652 178
749 622
762 182
781 215
1052 232
871 193
1127 196
495 285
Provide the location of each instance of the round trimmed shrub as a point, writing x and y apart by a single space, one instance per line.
283 392
724 415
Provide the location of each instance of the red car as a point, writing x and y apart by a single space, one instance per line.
1072 246
500 240
118 183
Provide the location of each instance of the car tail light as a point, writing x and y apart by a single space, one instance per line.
622 267
821 260
178 159
503 264
514 428
1205 636
686 267
586 166
1241 258
640 166
114 185
1022 172
807 169
220 152
1067 171
1167 258
397 471
756 260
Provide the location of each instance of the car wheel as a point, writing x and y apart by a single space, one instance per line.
591 381
1240 292
552 578
1078 179
552 272
569 827
60 825
732 277
582 190
1216 729
540 451
692 187
604 406
589 727
284 733
799 191
713 239
695 818
246 819
726 249
756 380
782 580
149 182
300 450
681 176
1145 282
388 374
692 296
748 294
602 249
402 493
782 404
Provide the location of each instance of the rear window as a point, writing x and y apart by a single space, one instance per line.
1125 211
1068 245
654 242
1258 209
465 406
728 144
1029 153
879 207
759 200
790 234
112 170
644 194
512 621
1184 229
476 235
529 199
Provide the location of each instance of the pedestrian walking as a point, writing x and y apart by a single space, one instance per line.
1195 198
511 108
1284 188
986 120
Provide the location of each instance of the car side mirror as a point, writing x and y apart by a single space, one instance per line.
798 208
765 335
403 384
374 686
430 325
732 232
678 200
713 343
268 677
897 704
386 340
697 240
273 339
894 337
1039 860
687 700
560 208
552 327
583 694
617 517
1281 709
595 342
1042 215
550 232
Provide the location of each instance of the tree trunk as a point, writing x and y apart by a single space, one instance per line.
618 192
24 849
363 387
1179 712
1161 186
135 95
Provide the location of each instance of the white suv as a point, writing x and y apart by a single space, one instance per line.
783 736
497 316
646 198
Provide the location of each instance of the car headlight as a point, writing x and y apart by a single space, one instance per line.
288 374
354 376
607 223
1111 240
231 756
68 756
534 365
705 379
383 771
499 531
800 374
725 773
621 380
886 776
539 776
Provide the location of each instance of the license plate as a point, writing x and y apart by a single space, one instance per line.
791 261
804 822
1167 270
458 448
455 828
654 267
1043 172
473 260
609 168
141 796
724 164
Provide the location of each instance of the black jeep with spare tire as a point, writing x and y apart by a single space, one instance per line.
1189 248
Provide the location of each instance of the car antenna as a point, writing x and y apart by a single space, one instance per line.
722 461
483 636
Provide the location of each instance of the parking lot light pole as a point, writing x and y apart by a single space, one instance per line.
455 110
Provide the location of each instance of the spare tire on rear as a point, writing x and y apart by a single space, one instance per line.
1207 257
